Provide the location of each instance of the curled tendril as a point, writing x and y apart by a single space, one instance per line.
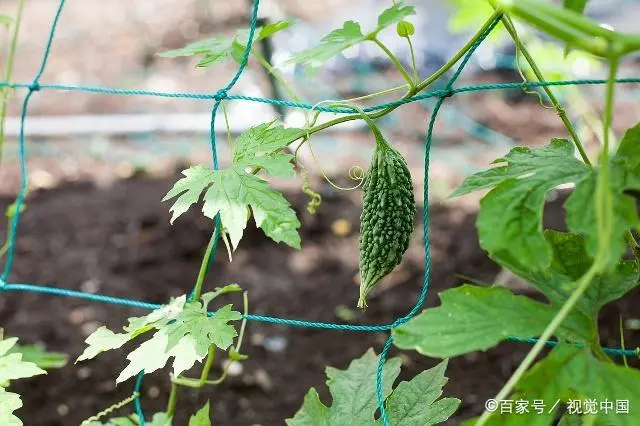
316 199
524 87
357 173
110 409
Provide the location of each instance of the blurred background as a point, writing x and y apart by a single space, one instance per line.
99 165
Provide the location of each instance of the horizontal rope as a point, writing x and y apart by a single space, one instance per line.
258 318
300 105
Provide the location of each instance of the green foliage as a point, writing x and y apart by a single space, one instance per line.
470 15
184 332
349 35
12 367
510 218
387 216
232 191
218 48
475 318
6 20
201 417
39 356
353 393
575 5
570 373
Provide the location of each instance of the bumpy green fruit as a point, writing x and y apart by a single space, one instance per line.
387 217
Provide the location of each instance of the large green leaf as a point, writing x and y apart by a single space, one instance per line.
230 193
349 35
183 331
219 48
570 261
570 373
510 218
416 403
477 318
9 402
353 392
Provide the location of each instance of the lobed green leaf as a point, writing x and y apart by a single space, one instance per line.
474 318
219 48
510 218
201 417
349 35
353 392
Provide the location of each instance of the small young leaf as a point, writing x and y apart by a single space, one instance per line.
201 417
510 217
204 329
260 146
353 393
9 402
349 35
393 15
477 318
219 48
333 43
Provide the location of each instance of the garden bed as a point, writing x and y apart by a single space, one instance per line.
118 241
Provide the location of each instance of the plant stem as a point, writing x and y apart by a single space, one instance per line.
554 101
204 266
173 399
207 364
583 284
8 72
608 105
276 74
395 61
413 60
412 91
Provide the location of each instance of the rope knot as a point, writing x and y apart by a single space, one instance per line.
34 87
399 322
220 95
447 93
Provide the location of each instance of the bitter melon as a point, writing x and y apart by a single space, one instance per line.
387 216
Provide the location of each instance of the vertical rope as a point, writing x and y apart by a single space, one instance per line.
33 87
448 92
136 400
219 97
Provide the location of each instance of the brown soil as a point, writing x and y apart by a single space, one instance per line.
118 241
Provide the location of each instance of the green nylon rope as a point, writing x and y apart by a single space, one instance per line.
220 96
